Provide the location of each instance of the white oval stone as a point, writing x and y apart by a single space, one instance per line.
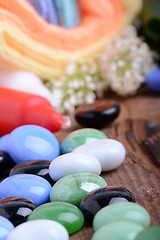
39 229
109 152
73 163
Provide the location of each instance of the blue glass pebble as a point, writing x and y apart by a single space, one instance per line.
5 228
68 13
29 186
3 142
152 80
46 9
30 142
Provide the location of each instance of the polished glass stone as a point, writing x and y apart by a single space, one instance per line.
5 228
39 168
97 115
67 214
109 152
103 197
73 188
150 233
30 142
29 186
127 211
16 209
152 80
39 229
6 164
71 163
3 142
79 137
118 231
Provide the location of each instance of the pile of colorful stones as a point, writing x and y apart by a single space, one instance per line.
53 188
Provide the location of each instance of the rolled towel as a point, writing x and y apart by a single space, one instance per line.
68 13
46 9
28 42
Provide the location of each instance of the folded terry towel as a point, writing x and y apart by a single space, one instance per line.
28 42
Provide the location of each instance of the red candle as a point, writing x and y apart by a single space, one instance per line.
20 108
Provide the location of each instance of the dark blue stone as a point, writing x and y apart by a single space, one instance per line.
152 80
16 209
97 115
103 197
39 168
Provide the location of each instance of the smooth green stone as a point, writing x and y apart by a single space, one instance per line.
151 233
74 187
118 231
79 137
127 211
66 214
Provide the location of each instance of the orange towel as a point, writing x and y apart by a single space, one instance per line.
29 42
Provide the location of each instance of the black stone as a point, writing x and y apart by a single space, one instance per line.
16 209
39 168
6 164
103 197
97 115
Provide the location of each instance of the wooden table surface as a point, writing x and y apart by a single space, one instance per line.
138 122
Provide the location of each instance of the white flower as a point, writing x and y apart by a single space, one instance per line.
127 60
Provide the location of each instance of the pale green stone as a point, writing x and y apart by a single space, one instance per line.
73 188
127 211
79 137
151 233
118 231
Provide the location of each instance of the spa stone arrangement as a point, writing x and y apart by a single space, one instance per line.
52 188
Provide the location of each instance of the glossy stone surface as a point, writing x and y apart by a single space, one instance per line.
30 142
151 233
71 163
29 186
73 188
109 152
46 10
152 80
16 209
68 13
5 228
128 211
79 137
98 114
3 142
39 229
66 214
6 164
118 231
39 168
103 197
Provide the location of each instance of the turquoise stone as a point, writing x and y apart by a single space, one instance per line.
73 188
79 137
118 231
65 213
151 233
127 211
